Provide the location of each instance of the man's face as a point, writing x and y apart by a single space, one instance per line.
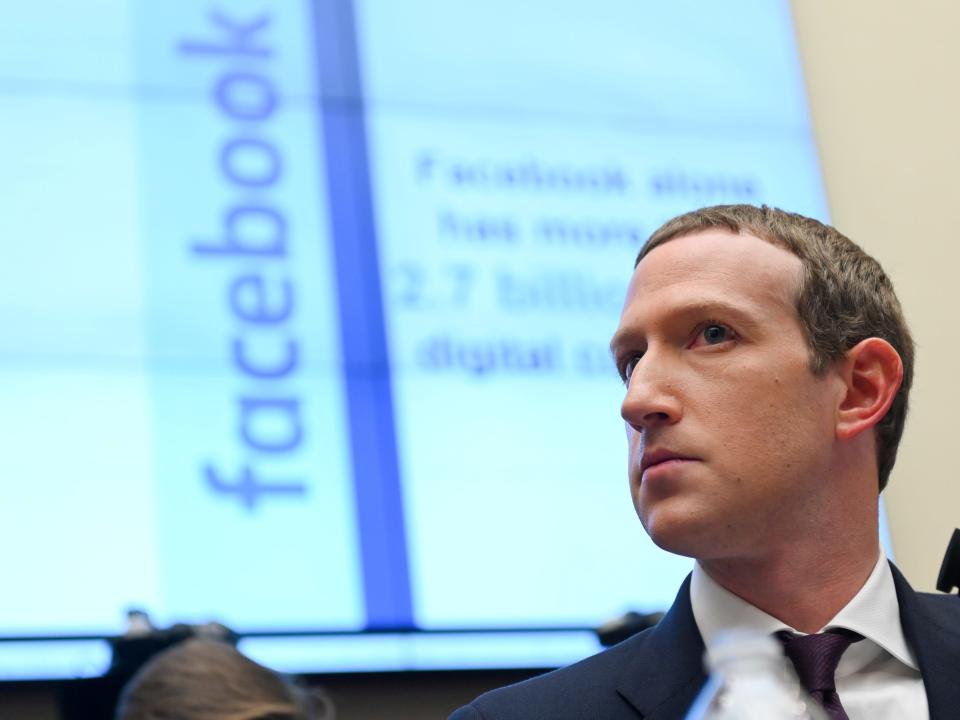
730 433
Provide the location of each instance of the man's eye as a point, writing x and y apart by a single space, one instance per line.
714 334
630 365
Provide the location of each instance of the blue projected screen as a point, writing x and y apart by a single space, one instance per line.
306 308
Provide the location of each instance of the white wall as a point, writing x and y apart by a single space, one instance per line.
882 81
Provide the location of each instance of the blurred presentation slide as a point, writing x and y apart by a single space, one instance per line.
306 308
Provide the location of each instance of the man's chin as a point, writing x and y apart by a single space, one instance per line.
680 535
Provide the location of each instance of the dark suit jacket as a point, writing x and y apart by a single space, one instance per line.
657 674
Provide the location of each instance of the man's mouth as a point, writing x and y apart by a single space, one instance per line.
661 456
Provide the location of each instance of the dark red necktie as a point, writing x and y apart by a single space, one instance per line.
815 658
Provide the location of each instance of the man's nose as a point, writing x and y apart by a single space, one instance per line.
651 398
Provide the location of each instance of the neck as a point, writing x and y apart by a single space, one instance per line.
804 586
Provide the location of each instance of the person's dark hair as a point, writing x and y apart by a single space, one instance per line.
844 295
210 680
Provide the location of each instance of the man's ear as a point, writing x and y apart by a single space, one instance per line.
873 371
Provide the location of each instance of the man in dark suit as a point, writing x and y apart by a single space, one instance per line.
767 366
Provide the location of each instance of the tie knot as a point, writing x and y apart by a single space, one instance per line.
816 657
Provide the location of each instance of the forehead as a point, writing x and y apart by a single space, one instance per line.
715 267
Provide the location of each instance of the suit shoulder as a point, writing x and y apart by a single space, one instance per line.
944 608
586 689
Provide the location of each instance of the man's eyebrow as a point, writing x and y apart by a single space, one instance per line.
720 308
617 340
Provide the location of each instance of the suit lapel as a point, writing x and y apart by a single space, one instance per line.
930 627
665 674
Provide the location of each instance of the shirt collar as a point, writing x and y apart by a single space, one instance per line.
874 612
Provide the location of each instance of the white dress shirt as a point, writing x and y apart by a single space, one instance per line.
878 677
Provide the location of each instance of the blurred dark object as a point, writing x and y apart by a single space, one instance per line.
204 678
949 577
627 625
142 641
96 698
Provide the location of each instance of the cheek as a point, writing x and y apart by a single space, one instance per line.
778 421
634 453
634 438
